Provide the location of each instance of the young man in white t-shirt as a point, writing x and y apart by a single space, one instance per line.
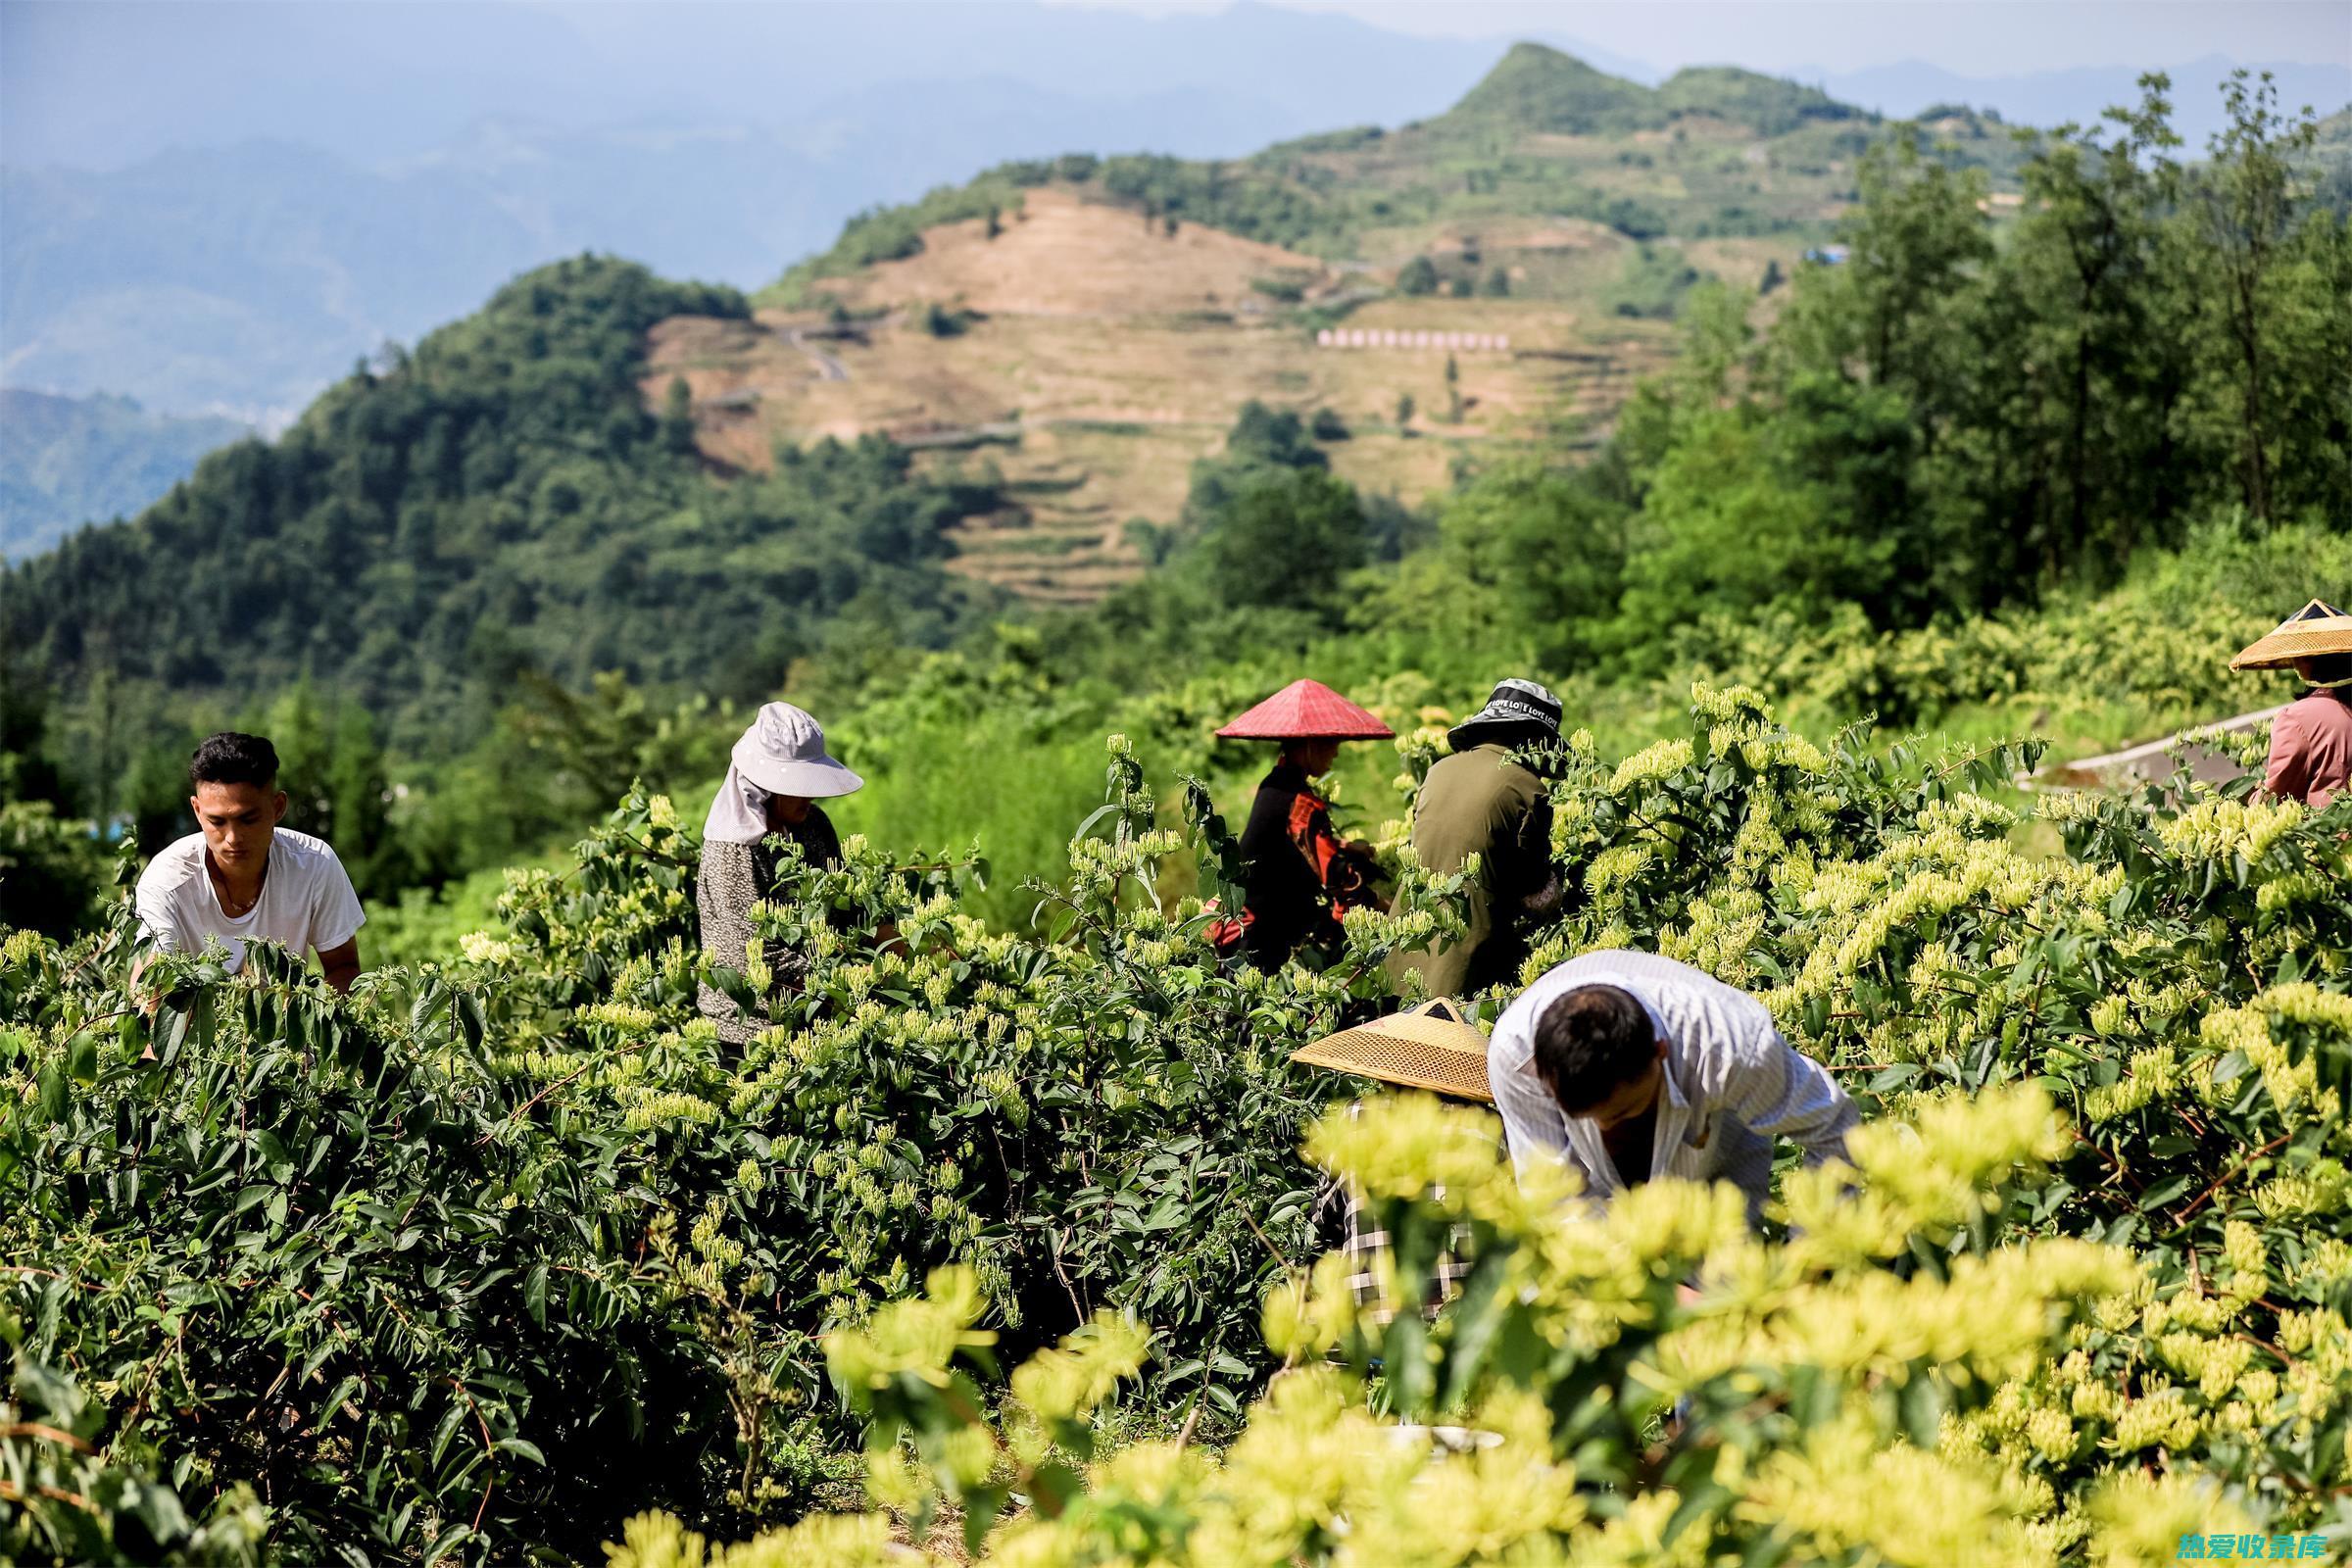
242 878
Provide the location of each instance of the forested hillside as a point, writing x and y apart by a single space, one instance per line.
494 508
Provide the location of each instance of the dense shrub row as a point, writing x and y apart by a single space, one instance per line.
2090 1296
489 1256
465 1265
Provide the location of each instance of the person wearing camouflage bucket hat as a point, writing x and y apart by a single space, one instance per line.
1519 713
1485 800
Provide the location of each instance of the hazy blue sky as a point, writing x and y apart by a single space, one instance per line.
102 83
1971 36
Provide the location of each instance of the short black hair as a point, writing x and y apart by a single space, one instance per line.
1592 1042
2328 668
229 758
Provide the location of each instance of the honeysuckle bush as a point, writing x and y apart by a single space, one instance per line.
2174 979
1817 1399
467 1263
67 1504
2089 1294
488 1255
1097 1112
322 1250
2141 653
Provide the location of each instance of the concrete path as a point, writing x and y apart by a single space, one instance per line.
828 369
2152 762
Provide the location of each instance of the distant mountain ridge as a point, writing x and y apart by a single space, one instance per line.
499 135
1912 87
241 281
1543 136
237 281
1535 87
65 462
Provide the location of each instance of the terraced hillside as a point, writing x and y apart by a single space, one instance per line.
1091 327
1095 412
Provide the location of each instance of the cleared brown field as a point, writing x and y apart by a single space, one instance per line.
1108 357
1059 254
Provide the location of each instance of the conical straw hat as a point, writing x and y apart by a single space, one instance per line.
2317 629
1429 1047
1307 709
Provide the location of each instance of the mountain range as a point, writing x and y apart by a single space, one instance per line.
69 461
604 471
371 171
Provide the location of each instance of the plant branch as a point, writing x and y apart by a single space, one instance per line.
2225 1177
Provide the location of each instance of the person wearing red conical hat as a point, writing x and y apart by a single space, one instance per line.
1301 876
2310 739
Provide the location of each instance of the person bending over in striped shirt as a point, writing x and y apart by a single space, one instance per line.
1632 1067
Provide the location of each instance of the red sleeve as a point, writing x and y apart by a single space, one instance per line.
2289 773
1338 872
1310 832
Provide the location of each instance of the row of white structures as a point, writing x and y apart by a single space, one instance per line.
1373 337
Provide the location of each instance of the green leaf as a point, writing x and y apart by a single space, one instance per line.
981 1505
275 1158
1922 1403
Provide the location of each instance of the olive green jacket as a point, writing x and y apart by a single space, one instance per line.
1481 802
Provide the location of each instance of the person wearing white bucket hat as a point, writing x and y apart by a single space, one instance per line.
778 770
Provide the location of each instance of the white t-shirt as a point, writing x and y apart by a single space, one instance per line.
307 901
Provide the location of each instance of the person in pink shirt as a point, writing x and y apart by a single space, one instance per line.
2310 739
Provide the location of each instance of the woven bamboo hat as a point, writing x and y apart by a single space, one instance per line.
1307 709
1430 1046
2317 629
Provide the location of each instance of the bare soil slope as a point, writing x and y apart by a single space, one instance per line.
1104 355
1059 254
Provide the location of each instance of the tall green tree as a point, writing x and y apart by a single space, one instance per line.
2244 207
677 418
1535 547
1283 539
1895 313
2093 409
